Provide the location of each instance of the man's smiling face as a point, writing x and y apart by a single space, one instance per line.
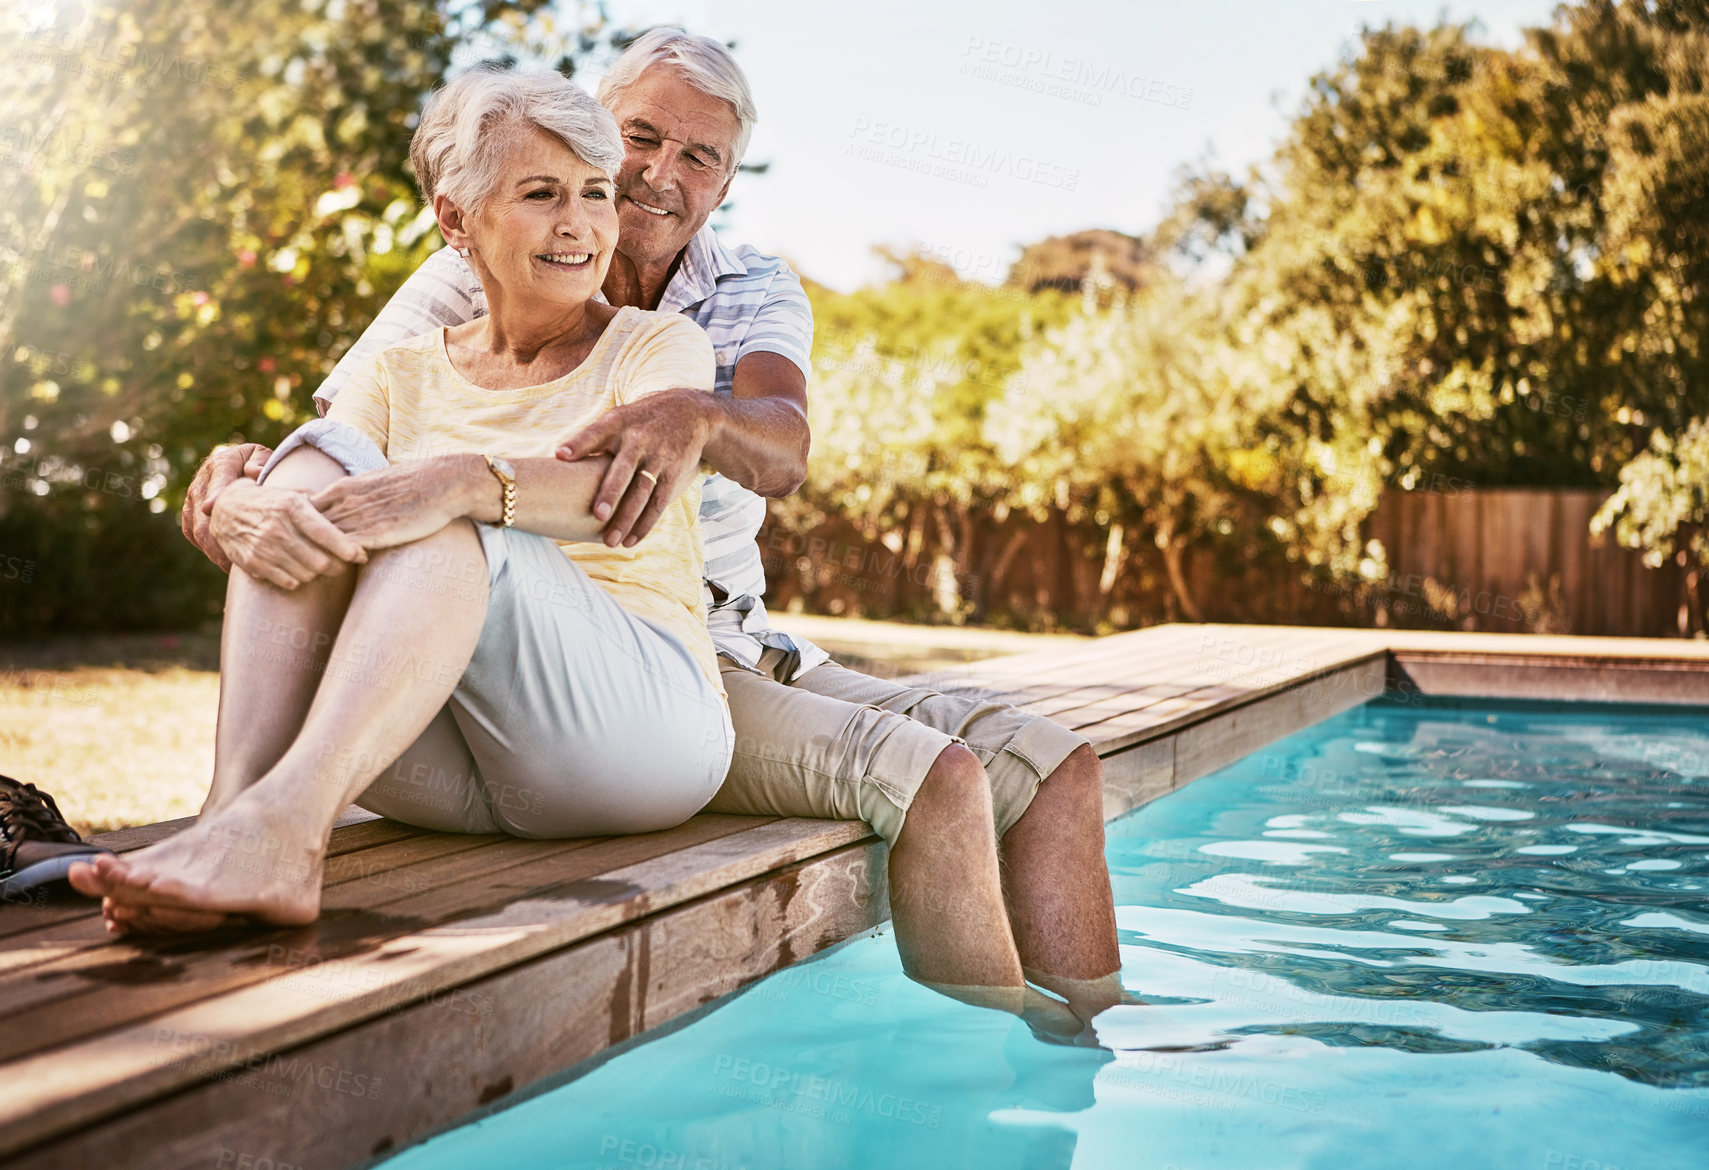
678 148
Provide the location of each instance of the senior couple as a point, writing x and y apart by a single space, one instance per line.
520 550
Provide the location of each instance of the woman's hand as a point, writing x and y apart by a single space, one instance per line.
404 502
277 535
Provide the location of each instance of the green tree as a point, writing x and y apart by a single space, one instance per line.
903 376
1662 505
211 201
1470 264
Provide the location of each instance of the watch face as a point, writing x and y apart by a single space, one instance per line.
503 465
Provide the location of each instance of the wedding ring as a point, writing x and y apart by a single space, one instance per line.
651 478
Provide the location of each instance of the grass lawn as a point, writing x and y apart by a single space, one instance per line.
121 729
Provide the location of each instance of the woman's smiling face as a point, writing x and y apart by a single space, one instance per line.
548 230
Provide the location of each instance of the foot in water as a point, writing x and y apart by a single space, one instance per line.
1088 997
251 858
1054 1022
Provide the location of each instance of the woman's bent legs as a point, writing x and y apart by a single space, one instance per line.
273 650
483 678
406 638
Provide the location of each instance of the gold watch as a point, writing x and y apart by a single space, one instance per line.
506 475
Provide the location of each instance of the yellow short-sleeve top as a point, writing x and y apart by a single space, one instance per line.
415 405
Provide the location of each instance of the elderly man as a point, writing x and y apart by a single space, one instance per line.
994 817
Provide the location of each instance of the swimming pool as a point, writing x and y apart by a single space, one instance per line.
1468 935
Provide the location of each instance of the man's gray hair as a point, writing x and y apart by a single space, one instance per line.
704 64
468 124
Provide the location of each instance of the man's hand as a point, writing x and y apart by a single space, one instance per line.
404 502
276 534
662 434
218 472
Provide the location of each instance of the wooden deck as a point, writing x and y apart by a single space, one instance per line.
450 971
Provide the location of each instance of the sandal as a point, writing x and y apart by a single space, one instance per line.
36 845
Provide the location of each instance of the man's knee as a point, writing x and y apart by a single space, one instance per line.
956 789
1081 771
1070 800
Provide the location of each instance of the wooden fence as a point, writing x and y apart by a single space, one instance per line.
1524 559
1502 560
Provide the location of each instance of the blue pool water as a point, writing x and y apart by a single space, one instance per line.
1437 936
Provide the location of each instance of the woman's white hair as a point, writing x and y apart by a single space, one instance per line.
468 124
703 62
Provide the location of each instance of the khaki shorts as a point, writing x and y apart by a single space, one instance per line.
838 744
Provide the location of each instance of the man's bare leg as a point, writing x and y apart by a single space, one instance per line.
274 646
404 643
946 897
1057 888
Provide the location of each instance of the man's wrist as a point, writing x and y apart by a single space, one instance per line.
709 410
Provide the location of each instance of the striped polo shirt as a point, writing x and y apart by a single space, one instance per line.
747 302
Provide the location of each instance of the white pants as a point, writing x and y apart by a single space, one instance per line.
575 718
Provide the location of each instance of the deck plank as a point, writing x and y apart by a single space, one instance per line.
358 919
355 830
1121 670
393 861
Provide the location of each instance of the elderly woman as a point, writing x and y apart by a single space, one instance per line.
468 656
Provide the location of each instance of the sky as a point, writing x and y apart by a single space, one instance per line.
966 128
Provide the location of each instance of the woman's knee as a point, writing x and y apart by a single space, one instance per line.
306 469
459 537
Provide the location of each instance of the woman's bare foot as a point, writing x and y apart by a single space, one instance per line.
250 858
122 919
221 792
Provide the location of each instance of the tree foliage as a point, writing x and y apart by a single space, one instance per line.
1662 504
903 377
1463 264
208 203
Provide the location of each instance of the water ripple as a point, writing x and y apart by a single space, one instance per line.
1574 888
